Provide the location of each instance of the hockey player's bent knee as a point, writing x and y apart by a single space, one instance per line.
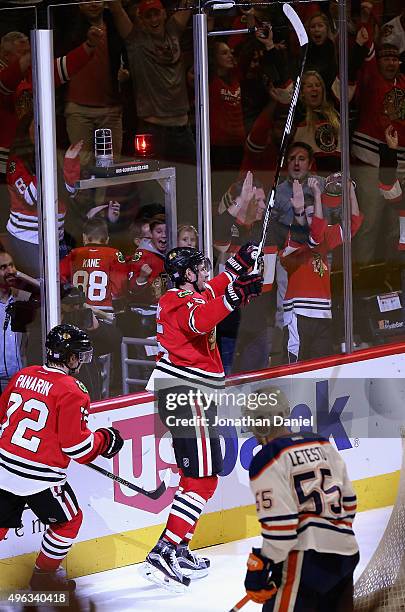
204 487
69 529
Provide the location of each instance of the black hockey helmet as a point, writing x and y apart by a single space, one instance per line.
65 340
178 260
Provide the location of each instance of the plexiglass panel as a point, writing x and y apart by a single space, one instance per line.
20 300
126 143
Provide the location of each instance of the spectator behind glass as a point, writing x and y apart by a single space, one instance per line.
318 124
307 303
16 98
187 236
226 117
158 76
321 56
380 95
22 226
393 33
15 60
97 268
12 343
92 97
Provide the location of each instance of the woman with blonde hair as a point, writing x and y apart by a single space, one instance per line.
319 124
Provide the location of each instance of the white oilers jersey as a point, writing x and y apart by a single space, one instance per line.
304 498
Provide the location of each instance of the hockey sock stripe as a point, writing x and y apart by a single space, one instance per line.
196 500
58 539
185 501
195 515
172 537
183 516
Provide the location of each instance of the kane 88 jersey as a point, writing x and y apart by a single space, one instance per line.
43 425
100 271
185 324
304 498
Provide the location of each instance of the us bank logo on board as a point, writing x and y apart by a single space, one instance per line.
147 457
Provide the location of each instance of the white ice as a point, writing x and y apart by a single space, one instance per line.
123 589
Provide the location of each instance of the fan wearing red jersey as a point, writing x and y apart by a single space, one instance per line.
43 419
100 270
307 302
189 360
146 272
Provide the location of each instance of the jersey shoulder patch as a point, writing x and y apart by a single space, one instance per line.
11 167
81 386
137 256
185 293
120 257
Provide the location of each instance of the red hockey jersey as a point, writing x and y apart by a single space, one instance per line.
22 187
16 93
43 418
308 292
186 323
381 104
101 271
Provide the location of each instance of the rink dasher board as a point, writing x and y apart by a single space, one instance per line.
112 511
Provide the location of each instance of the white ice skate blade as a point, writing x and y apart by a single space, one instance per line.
157 577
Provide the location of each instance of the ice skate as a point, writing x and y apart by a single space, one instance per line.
162 568
192 565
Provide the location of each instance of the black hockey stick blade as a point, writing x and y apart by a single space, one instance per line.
151 494
303 40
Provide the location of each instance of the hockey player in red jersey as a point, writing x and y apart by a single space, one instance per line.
305 506
99 269
189 360
43 419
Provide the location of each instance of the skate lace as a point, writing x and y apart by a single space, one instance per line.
173 558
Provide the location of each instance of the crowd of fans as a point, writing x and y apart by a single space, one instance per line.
127 66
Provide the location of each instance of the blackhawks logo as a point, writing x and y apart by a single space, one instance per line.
319 265
81 386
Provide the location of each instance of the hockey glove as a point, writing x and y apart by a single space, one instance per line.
258 583
243 260
113 441
246 286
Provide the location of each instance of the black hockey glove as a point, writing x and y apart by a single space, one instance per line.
243 260
113 441
258 582
246 286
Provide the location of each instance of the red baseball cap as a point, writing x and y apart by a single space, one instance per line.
147 5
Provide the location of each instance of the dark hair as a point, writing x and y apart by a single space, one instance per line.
96 229
158 220
297 144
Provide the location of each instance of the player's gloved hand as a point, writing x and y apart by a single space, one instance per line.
246 286
113 441
258 583
243 260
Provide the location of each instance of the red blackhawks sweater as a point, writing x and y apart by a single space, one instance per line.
16 86
186 323
308 292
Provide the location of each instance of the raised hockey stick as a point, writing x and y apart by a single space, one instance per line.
240 604
303 40
151 494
